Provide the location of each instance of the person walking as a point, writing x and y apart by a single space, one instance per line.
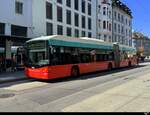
13 64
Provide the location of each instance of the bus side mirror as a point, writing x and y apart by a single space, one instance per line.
52 50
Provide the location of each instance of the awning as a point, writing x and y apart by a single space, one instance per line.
15 39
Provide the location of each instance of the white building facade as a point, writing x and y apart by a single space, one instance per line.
76 18
122 23
104 20
16 13
15 22
114 22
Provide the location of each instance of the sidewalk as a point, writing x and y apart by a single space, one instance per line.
133 96
12 76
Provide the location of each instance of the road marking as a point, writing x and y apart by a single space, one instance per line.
25 86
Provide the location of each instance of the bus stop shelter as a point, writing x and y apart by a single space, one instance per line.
7 42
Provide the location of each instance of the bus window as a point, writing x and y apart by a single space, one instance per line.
64 55
75 56
111 56
85 58
55 56
99 57
37 54
85 55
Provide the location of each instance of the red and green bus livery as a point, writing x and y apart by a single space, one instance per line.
52 57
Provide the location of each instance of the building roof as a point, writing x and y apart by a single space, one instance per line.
122 6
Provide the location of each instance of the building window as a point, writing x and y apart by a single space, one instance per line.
110 14
122 18
83 22
105 37
2 28
99 9
122 30
83 6
89 9
59 1
130 22
99 24
68 17
115 27
110 39
60 30
59 14
119 17
119 28
49 28
110 27
104 10
89 23
18 31
76 33
83 34
126 32
107 25
49 11
68 3
19 7
76 19
76 4
115 15
99 36
69 31
104 24
90 35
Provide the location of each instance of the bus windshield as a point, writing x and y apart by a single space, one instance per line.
37 54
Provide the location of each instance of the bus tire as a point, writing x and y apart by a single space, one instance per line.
75 71
110 67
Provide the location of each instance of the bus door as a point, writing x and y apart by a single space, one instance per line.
117 55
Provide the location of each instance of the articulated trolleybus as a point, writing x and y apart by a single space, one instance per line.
56 56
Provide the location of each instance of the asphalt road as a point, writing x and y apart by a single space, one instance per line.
55 95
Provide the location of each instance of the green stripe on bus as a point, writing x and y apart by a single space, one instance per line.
77 44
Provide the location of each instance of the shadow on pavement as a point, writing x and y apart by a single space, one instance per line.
16 83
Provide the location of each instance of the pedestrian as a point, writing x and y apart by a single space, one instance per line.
13 64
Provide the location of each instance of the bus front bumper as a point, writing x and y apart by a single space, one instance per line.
36 73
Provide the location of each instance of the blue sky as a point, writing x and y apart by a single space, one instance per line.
141 14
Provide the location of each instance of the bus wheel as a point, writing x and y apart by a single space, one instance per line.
75 72
110 67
